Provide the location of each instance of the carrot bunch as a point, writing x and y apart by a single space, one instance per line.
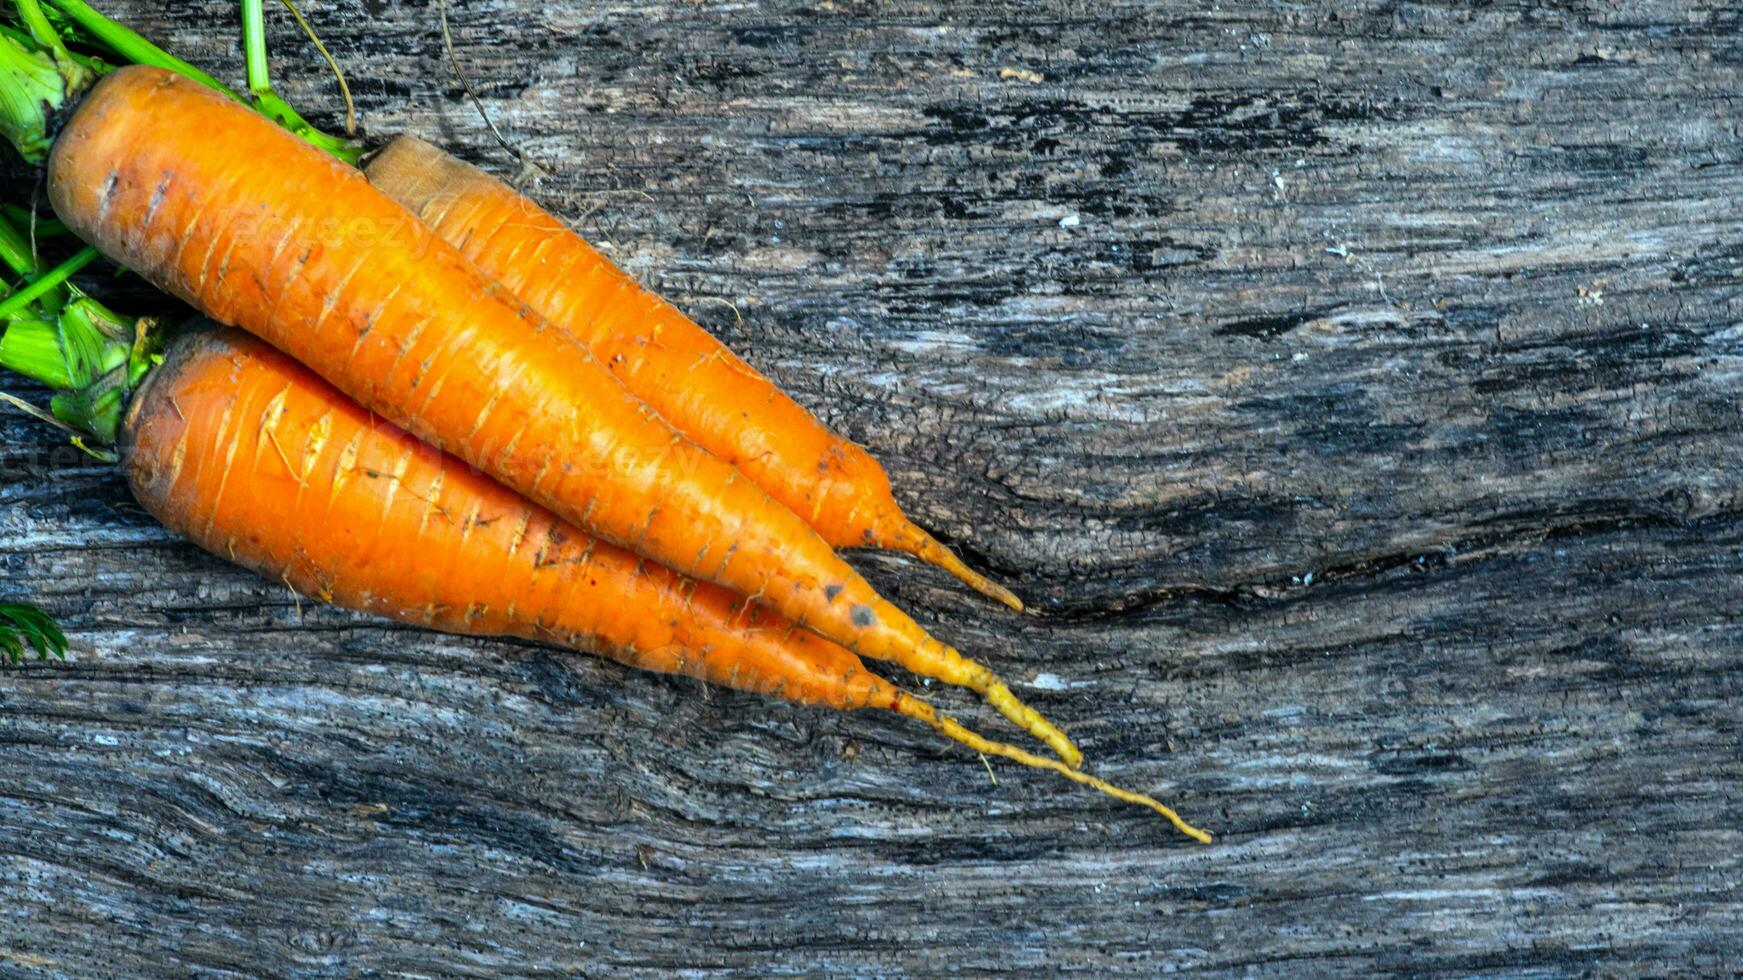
563 455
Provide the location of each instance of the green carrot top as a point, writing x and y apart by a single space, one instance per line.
40 74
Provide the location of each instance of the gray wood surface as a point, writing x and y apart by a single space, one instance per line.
1357 389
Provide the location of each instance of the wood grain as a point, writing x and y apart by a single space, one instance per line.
1357 389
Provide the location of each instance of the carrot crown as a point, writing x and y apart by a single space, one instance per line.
60 337
53 332
40 75
32 89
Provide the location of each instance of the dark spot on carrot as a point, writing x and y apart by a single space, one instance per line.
557 534
157 196
863 617
831 591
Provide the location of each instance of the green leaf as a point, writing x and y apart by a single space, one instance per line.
22 626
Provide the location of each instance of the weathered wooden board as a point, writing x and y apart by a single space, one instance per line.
1356 388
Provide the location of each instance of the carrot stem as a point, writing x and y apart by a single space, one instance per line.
33 348
48 281
254 48
19 253
41 31
15 249
914 708
40 227
268 103
91 356
129 45
77 72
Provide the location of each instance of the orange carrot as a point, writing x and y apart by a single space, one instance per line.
258 229
699 385
250 455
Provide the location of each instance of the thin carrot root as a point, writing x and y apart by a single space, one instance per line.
944 725
915 541
985 683
946 664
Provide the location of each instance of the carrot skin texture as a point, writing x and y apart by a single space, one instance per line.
696 382
257 229
254 458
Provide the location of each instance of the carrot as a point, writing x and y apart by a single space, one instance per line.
258 229
699 385
251 456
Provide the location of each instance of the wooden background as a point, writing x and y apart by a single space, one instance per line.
1356 389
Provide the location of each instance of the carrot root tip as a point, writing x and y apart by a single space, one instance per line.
949 728
1032 721
914 540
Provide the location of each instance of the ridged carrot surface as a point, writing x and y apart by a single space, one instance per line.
257 229
251 456
696 382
